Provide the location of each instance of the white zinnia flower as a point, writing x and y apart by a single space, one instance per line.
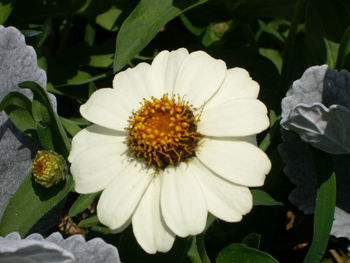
172 141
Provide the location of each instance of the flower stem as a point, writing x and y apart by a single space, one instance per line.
288 48
201 249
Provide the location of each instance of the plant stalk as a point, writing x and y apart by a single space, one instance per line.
201 248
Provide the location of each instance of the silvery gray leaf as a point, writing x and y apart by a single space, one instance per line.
341 224
327 129
18 63
299 167
16 151
50 219
336 90
306 90
316 111
317 107
300 170
14 249
56 249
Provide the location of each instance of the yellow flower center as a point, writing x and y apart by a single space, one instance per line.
48 168
163 131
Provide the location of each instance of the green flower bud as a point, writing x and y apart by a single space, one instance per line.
48 168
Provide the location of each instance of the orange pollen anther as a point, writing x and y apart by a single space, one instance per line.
163 131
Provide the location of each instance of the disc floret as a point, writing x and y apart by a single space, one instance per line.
163 131
48 168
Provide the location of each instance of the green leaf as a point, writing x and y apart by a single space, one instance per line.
90 34
271 28
240 253
91 88
40 112
262 198
16 99
82 203
143 24
18 107
6 7
49 127
273 55
81 121
325 21
101 61
46 30
83 6
210 221
192 253
332 52
272 132
343 58
325 204
89 222
109 18
80 79
30 202
252 240
70 126
31 33
101 229
46 136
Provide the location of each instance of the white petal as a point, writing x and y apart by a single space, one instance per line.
200 77
135 84
122 227
182 201
165 68
96 157
107 108
111 108
238 161
234 118
119 200
237 85
148 225
225 200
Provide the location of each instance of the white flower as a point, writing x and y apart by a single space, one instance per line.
194 123
54 249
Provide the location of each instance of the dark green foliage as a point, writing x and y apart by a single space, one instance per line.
81 44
